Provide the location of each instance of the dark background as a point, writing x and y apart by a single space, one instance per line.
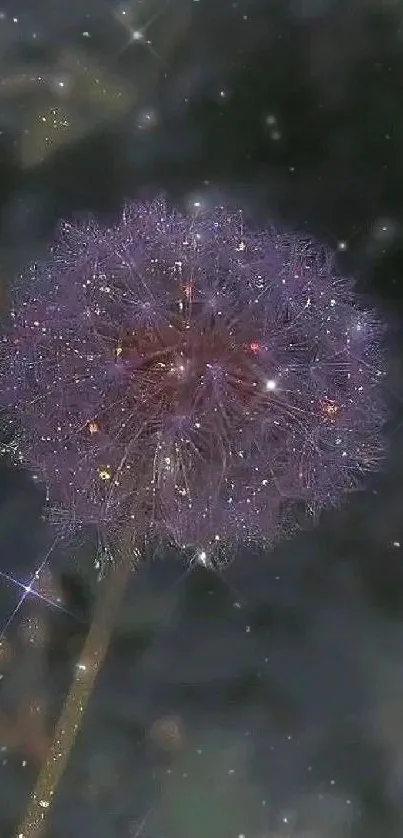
266 702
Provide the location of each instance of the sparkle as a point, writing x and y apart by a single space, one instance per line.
30 590
138 35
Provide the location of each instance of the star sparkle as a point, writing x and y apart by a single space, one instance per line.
31 590
138 35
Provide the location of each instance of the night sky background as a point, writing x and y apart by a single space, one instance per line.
266 702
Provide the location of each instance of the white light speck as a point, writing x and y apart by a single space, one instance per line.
202 557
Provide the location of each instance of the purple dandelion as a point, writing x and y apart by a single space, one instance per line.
184 381
191 381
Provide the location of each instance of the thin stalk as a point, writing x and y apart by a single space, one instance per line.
71 716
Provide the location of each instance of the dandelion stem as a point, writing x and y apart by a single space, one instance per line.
71 716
